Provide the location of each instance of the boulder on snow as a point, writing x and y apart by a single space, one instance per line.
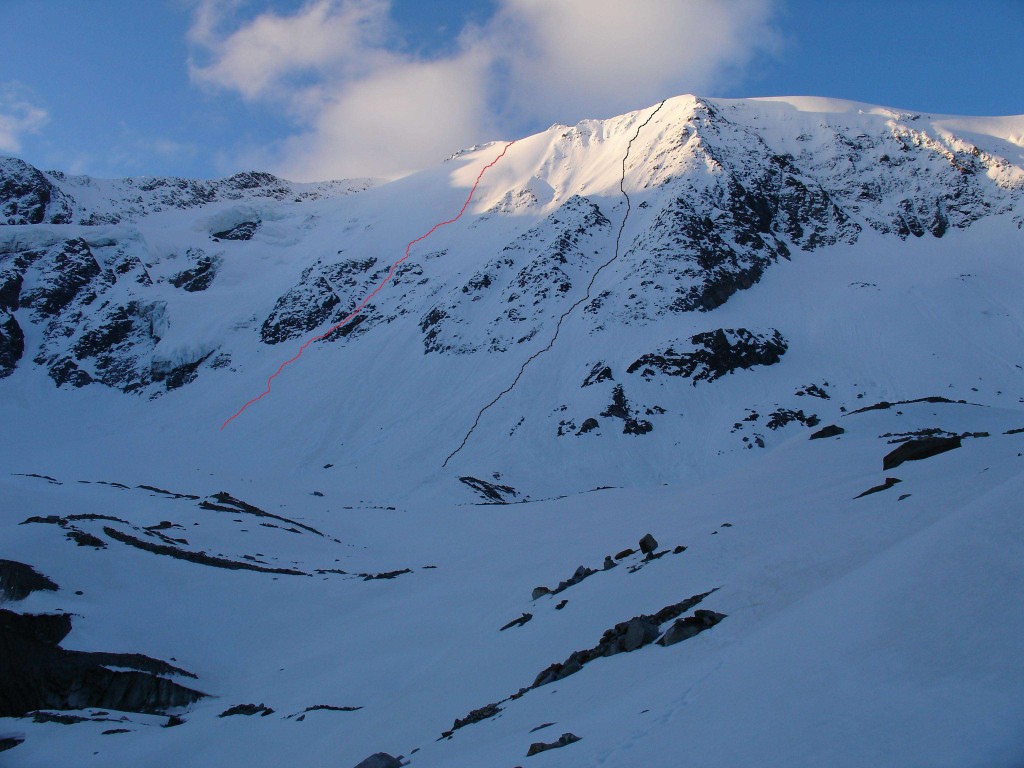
684 629
563 741
922 448
830 431
248 710
539 592
648 544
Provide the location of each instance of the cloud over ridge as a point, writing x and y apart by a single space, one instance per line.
364 106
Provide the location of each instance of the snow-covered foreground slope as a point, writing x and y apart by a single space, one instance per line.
785 265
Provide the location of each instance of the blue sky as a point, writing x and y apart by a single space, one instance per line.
326 88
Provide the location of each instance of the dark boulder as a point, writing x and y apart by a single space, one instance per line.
476 716
248 710
10 741
517 622
915 450
648 544
684 629
889 483
539 592
830 431
563 741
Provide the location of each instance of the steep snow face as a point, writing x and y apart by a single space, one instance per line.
214 284
802 286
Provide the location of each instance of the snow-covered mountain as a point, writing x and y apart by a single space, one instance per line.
784 336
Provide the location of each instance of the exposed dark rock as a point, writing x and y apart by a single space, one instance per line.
530 284
195 557
235 505
561 605
625 553
619 407
716 354
589 425
45 628
915 450
490 491
477 715
517 622
38 674
60 718
608 563
648 544
600 372
637 427
581 573
889 483
18 580
380 760
830 431
247 709
243 231
12 343
539 592
783 416
200 276
10 741
84 539
684 629
28 197
541 727
813 390
563 741
70 277
112 731
885 405
325 293
384 575
624 637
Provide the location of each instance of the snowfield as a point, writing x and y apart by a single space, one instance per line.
789 267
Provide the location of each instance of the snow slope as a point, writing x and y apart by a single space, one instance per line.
785 264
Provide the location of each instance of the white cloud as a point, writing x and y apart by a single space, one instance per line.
572 59
365 107
326 38
18 116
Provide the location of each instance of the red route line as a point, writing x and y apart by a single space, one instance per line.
372 293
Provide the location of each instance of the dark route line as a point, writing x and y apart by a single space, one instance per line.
590 285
